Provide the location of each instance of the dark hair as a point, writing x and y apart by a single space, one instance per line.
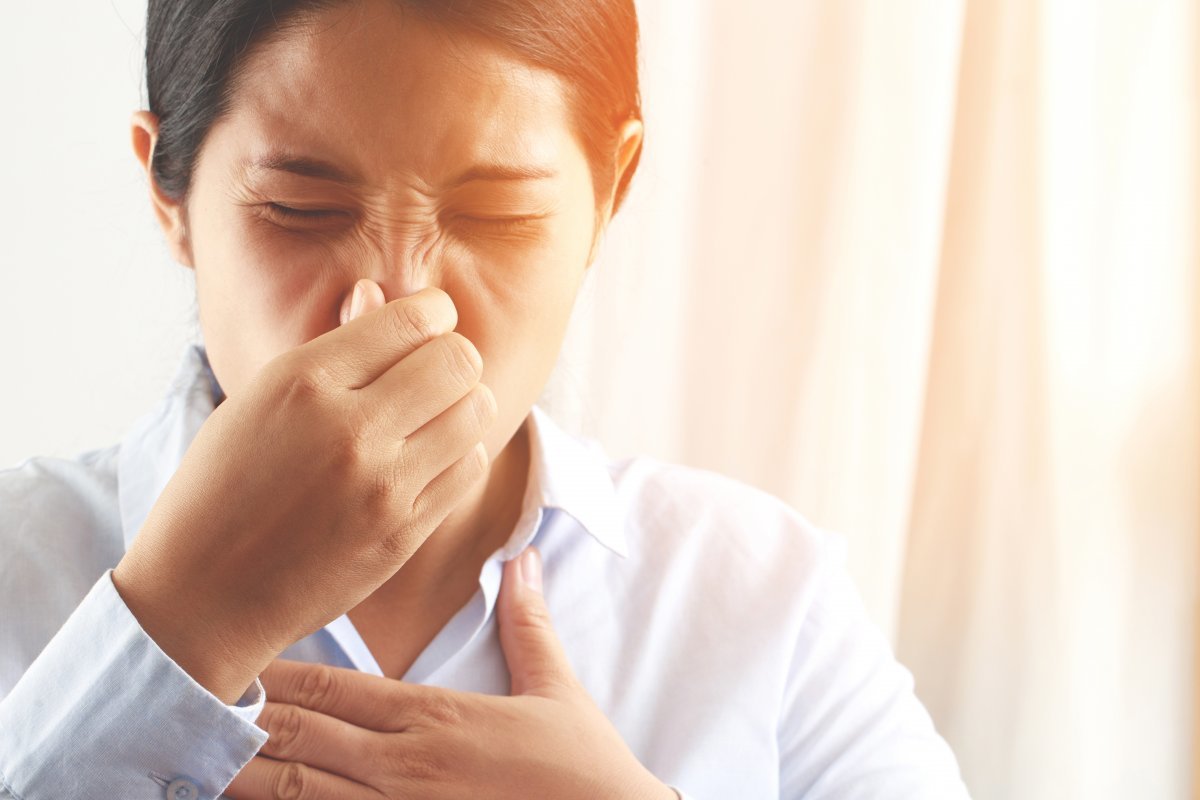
194 49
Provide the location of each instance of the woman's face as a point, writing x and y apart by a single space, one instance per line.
443 162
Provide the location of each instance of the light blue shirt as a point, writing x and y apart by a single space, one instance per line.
715 627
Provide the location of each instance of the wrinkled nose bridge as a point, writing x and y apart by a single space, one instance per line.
406 267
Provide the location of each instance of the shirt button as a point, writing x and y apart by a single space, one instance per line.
180 789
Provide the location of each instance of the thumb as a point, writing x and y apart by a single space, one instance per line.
535 657
366 296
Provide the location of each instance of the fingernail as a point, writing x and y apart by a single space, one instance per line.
357 300
344 314
530 567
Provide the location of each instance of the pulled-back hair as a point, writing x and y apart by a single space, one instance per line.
195 48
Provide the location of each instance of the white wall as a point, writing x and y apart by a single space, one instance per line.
93 312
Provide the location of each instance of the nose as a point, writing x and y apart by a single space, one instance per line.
396 275
366 294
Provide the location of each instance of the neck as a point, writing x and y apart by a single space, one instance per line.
481 523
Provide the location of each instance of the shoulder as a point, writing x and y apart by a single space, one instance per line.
49 491
723 529
59 529
690 504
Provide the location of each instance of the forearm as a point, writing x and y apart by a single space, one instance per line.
103 710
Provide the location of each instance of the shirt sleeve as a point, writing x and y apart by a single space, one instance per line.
851 725
104 712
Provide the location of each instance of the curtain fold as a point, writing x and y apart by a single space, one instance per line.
929 272
981 616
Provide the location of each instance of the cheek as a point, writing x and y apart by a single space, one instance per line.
290 283
258 298
514 307
286 271
512 303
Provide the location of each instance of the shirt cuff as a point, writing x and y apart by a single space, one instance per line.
251 703
104 712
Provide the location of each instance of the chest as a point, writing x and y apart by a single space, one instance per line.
398 632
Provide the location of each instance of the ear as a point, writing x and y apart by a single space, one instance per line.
628 142
172 215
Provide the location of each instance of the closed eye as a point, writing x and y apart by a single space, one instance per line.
287 212
501 223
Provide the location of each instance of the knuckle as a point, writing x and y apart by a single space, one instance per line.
396 547
291 782
422 514
403 325
441 305
284 730
316 687
418 763
346 454
479 457
307 382
416 320
485 403
462 359
438 710
380 488
351 457
532 616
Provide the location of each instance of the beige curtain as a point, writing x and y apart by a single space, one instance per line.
928 270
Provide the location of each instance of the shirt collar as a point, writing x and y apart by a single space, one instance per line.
565 472
571 474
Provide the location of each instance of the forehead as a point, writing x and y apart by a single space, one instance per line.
379 89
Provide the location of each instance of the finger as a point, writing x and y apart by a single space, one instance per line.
426 383
357 353
267 779
365 296
443 493
309 737
368 701
536 661
446 438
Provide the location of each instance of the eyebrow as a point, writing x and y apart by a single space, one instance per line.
309 167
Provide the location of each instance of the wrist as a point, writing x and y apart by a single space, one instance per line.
194 640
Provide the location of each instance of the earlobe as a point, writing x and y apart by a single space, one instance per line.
168 211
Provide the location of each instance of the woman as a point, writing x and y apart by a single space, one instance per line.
316 569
